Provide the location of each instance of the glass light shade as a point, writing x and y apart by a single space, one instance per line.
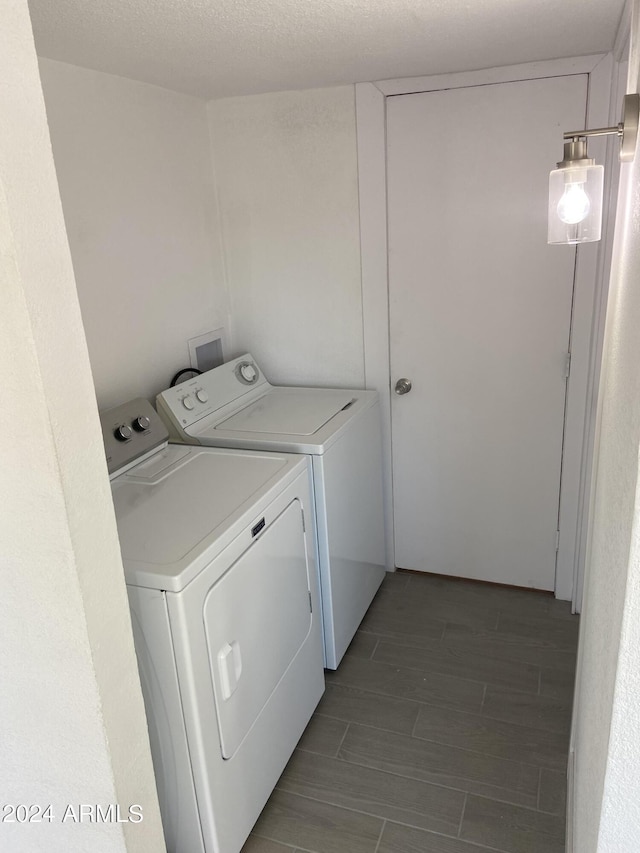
575 204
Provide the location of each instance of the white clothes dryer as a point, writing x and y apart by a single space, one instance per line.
224 600
235 406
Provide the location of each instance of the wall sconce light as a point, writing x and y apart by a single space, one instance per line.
575 187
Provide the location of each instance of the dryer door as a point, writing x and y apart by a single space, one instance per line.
256 618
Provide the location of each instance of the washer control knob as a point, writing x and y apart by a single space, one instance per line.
188 403
141 423
123 432
247 372
202 395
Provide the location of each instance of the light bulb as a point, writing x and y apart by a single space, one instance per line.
575 202
574 206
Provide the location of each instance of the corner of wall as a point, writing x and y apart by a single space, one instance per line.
217 223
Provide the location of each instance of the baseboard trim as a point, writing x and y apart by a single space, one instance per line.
569 846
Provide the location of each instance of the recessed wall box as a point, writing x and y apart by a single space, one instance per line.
207 351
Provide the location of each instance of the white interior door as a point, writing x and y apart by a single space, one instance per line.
480 315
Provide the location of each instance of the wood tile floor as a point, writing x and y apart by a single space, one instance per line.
444 730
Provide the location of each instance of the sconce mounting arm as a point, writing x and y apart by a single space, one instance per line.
626 130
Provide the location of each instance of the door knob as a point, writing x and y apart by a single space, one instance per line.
403 386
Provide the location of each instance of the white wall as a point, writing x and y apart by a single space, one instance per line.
606 732
72 725
286 175
134 169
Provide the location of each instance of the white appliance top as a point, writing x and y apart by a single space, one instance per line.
180 507
177 507
302 412
235 406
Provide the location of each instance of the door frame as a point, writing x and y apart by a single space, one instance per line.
591 279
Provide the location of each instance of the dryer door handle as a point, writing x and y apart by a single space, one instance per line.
229 668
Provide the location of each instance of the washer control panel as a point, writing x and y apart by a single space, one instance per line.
212 391
130 431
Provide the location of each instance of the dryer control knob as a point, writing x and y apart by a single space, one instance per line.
141 423
202 395
123 432
188 403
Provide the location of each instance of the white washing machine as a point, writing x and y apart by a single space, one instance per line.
235 406
220 569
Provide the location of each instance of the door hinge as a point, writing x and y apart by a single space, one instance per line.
557 540
310 602
567 366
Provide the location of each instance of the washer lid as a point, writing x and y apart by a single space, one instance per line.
178 502
285 411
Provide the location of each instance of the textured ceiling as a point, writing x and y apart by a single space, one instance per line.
217 48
